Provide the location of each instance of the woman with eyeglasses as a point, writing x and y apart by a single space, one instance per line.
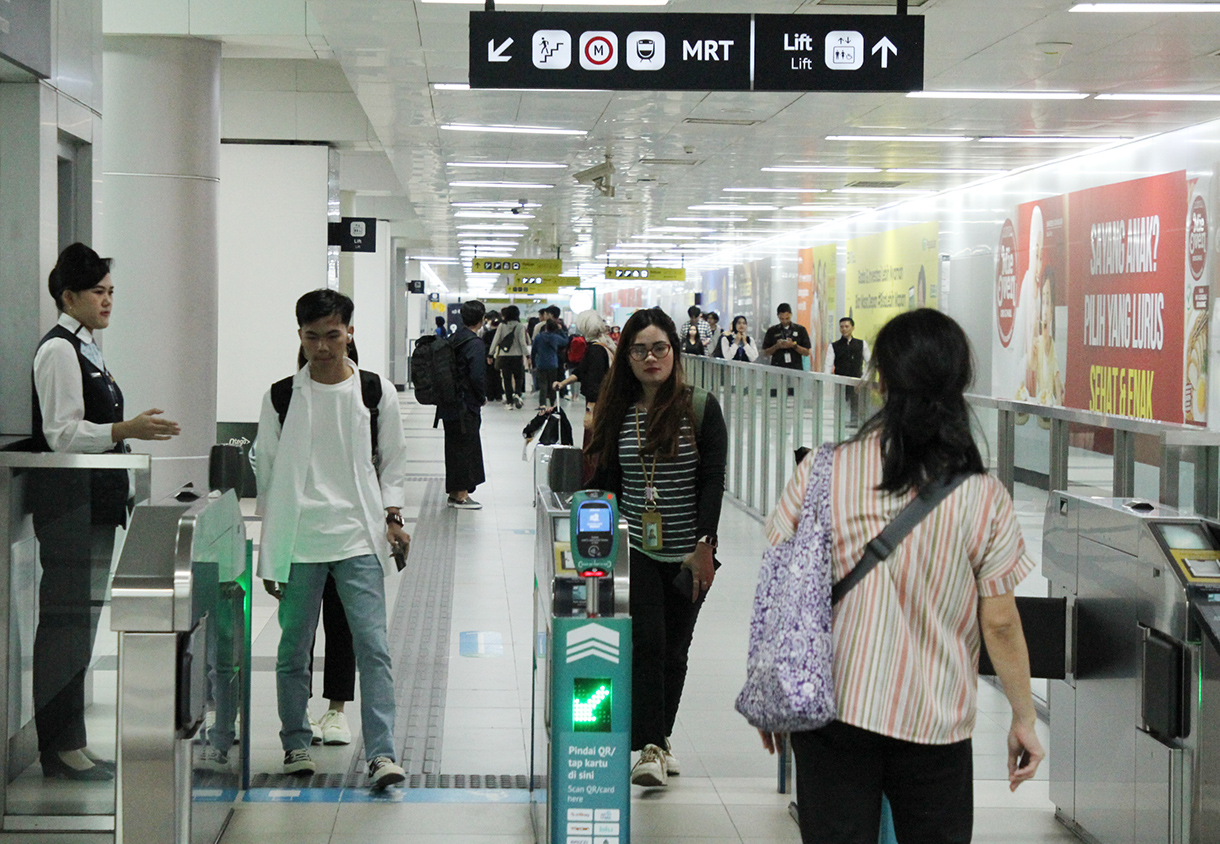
661 447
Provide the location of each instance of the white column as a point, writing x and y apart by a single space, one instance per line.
161 173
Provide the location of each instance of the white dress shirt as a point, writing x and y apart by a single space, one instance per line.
61 396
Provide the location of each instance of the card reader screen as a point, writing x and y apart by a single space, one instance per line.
594 519
1186 537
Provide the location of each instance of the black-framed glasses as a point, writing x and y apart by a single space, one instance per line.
639 351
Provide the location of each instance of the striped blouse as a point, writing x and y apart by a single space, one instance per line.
906 639
676 498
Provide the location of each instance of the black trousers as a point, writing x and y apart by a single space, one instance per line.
662 626
842 771
463 452
492 385
339 672
512 370
545 380
75 556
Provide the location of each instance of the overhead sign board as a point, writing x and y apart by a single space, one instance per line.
646 273
696 52
541 285
643 52
353 234
529 266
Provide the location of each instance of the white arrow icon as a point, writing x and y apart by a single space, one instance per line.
496 54
886 46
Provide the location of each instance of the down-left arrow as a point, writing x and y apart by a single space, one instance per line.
496 54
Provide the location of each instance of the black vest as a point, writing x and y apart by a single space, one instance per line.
849 357
61 489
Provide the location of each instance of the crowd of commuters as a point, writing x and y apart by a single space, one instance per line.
331 467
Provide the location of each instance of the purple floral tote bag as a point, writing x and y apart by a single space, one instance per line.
789 681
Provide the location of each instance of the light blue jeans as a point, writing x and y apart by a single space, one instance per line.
361 586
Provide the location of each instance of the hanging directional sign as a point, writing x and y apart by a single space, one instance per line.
646 273
838 52
530 266
696 52
541 285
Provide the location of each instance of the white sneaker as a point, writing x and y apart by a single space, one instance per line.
317 731
211 759
384 772
672 768
649 770
335 730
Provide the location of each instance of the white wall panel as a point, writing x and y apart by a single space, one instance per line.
371 293
272 250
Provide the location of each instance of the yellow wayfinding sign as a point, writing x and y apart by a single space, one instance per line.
530 266
541 285
646 273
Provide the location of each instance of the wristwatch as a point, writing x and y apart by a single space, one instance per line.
394 519
710 540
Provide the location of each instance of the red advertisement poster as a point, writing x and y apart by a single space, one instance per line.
1126 256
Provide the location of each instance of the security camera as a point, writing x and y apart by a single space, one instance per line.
516 210
600 173
521 206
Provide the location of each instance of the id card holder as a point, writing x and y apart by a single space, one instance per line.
650 520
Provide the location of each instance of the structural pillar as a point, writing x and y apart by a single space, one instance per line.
160 182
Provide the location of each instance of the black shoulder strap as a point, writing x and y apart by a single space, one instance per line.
370 391
281 397
883 544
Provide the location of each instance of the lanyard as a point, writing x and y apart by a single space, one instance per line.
650 489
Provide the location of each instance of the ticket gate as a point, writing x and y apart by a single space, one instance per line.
1135 739
580 755
179 602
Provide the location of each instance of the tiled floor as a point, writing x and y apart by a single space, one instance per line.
726 793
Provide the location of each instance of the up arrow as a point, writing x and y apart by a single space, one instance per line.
886 46
496 54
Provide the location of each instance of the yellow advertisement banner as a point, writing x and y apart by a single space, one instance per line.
646 273
531 266
889 273
815 299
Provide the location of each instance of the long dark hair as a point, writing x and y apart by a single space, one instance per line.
925 364
671 408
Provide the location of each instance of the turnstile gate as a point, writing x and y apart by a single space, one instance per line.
1135 736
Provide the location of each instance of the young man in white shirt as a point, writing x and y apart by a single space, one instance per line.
327 508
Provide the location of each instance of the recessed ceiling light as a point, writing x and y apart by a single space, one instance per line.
644 246
499 243
660 236
517 185
1167 98
813 168
804 221
1051 139
909 191
775 190
497 203
552 2
450 86
432 259
957 170
717 206
509 165
679 229
512 130
708 219
997 95
827 208
493 215
1156 8
903 139
495 226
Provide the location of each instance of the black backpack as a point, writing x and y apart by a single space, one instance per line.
434 372
370 393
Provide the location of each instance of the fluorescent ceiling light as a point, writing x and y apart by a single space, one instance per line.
801 168
828 208
708 219
903 139
1051 139
959 170
518 185
495 226
660 236
775 190
679 229
730 236
494 215
450 86
431 259
498 203
718 206
509 165
1158 8
551 2
1168 98
997 95
512 130
798 220
644 246
910 191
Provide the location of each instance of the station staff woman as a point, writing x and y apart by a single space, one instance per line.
78 408
906 639
661 447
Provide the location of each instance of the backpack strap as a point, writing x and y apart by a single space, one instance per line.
883 544
698 404
370 393
281 397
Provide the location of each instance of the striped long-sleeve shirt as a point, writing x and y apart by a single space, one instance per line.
906 639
